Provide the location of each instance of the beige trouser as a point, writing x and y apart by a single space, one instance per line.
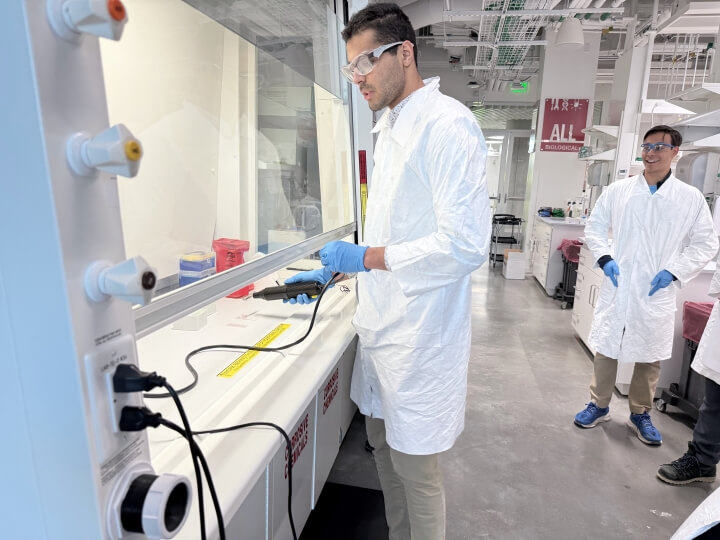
412 487
642 385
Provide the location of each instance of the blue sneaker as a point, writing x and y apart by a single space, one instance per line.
645 430
591 416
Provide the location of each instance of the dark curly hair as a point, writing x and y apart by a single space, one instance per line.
675 136
387 20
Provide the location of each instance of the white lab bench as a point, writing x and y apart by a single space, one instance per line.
587 289
305 390
548 234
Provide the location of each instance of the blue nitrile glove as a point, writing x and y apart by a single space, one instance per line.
612 271
321 275
343 257
660 281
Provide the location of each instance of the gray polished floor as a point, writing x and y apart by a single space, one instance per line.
521 469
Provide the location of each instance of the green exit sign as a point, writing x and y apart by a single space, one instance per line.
519 87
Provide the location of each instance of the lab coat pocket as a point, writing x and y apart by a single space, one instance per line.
607 295
661 305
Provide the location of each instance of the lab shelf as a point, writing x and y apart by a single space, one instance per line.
702 92
607 155
701 131
612 131
663 107
707 142
709 119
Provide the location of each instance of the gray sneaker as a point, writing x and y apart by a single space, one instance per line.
685 470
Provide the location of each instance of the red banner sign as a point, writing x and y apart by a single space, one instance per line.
564 120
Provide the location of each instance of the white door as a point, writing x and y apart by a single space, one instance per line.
513 176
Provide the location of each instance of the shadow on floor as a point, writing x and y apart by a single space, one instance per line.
347 512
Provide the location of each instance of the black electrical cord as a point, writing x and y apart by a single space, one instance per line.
139 418
206 470
288 447
193 455
194 373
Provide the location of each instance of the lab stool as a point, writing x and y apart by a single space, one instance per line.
505 234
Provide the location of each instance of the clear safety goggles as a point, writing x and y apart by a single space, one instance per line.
364 63
656 147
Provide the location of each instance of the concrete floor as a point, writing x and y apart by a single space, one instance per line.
521 469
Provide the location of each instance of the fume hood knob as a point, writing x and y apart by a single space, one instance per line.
115 150
70 19
132 280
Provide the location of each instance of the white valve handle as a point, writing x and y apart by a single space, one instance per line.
115 150
70 19
133 281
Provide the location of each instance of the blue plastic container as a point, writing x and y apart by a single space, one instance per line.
195 266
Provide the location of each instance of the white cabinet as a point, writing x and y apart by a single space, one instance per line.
548 234
587 290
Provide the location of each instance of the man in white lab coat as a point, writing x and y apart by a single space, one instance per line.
662 237
698 464
428 227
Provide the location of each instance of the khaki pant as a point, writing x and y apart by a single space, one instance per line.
412 488
642 385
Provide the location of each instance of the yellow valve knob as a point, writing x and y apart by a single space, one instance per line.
133 150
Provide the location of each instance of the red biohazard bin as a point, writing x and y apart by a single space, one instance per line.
229 253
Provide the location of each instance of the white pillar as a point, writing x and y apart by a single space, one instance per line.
559 176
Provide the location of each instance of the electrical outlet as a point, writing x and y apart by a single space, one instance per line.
105 405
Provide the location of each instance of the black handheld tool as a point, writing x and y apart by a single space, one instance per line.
285 292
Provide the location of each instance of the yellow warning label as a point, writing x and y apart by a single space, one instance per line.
242 360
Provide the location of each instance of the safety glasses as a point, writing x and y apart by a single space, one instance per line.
656 147
364 63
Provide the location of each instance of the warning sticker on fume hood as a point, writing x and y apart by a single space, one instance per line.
120 461
243 359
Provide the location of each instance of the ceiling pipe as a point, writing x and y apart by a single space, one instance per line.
651 42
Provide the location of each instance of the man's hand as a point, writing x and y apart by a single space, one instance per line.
321 275
660 281
343 257
612 271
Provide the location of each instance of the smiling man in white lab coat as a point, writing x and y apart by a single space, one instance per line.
428 225
662 237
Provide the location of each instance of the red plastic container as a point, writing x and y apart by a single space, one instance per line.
229 253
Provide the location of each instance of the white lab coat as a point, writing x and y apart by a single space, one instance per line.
428 204
707 356
671 230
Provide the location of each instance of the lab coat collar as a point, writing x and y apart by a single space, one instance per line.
663 191
402 129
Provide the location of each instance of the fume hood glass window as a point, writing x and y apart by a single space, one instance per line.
239 141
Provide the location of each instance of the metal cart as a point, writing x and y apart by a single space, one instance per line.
506 233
